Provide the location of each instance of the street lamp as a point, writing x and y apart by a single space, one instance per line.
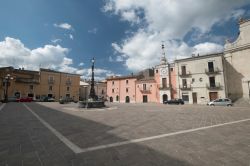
6 80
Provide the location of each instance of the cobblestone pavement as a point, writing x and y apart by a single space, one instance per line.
138 134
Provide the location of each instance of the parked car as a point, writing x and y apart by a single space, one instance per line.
24 99
174 101
46 99
12 99
220 102
64 100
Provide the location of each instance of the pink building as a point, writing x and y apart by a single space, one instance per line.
121 89
133 89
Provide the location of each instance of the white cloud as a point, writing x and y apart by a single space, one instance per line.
14 53
71 36
93 31
65 26
56 40
81 64
207 48
169 21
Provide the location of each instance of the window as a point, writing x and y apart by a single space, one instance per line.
156 71
127 90
113 82
210 67
212 81
144 86
171 69
31 87
50 87
126 81
183 70
164 82
184 83
67 88
113 90
102 91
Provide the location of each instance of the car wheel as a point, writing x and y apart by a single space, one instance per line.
212 105
229 105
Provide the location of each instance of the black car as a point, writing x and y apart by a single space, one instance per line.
174 101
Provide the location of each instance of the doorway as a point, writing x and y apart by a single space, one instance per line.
213 95
111 99
164 97
194 95
127 99
144 98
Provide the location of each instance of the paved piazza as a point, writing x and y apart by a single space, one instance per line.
48 134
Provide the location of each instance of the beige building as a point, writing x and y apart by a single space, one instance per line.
23 82
100 89
58 84
237 56
38 84
201 78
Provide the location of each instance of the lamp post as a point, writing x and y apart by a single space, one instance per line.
7 79
92 94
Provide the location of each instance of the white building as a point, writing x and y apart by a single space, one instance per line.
200 78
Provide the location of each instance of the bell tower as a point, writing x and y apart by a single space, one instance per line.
163 57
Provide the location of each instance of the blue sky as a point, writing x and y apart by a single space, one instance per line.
123 35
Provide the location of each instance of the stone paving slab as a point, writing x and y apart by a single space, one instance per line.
25 141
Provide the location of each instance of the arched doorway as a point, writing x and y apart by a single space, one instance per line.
164 97
117 98
127 99
111 99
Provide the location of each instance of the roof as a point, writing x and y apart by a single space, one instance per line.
122 77
199 57
53 71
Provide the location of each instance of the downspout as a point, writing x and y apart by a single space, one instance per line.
170 81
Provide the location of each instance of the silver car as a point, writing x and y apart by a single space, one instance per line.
221 102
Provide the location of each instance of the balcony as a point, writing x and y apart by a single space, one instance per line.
27 80
164 87
145 91
185 74
216 86
185 87
51 81
68 82
212 71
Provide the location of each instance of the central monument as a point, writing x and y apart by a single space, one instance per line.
93 101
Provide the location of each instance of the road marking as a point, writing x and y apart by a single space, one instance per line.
67 142
1 107
77 149
158 136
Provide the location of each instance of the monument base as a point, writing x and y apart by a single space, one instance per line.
91 104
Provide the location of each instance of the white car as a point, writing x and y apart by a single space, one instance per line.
220 102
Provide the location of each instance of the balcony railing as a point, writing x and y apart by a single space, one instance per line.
146 91
185 74
215 86
51 81
166 87
185 87
27 80
212 71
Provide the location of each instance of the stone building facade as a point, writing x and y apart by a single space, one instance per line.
201 78
39 84
237 60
